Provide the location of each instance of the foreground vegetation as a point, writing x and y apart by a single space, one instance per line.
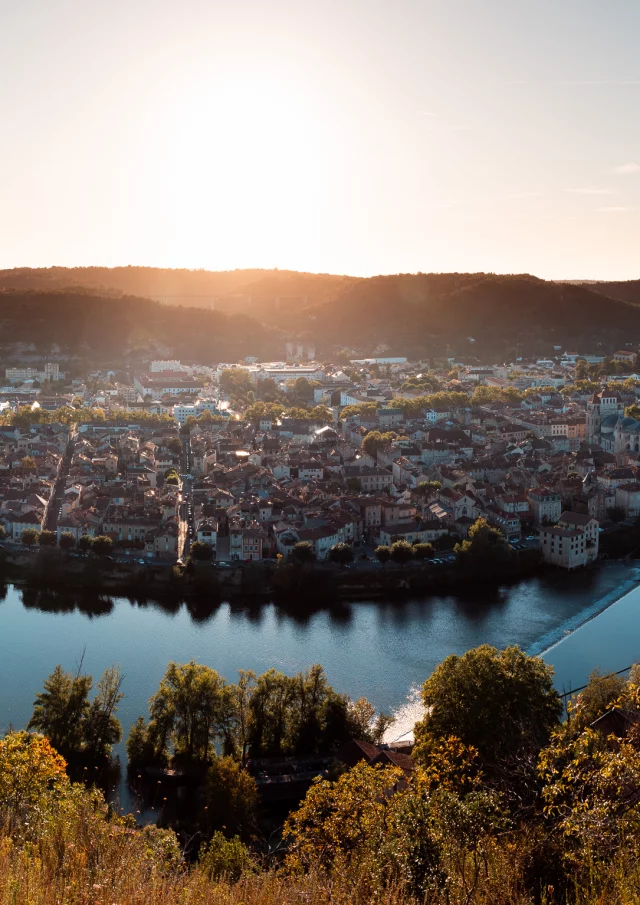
506 805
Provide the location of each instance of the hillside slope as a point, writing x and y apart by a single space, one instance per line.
432 311
627 291
81 323
407 314
251 292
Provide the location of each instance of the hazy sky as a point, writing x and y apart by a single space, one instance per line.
353 136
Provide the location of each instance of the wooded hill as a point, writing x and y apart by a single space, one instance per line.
90 325
492 316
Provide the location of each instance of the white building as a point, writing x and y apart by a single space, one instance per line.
564 547
158 366
51 371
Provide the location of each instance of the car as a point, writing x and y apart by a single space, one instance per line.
142 562
532 537
437 562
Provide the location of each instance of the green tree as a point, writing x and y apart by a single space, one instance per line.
47 539
84 543
423 551
189 711
502 703
61 709
401 552
102 545
485 549
201 552
174 445
225 859
29 537
231 797
602 692
341 554
3 532
383 554
172 477
102 728
302 553
67 540
28 463
374 441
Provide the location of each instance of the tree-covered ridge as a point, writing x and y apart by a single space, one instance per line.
410 314
88 324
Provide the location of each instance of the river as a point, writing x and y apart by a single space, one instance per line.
377 649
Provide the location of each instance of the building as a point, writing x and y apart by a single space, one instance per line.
564 547
600 406
624 356
51 371
165 383
371 479
589 525
546 506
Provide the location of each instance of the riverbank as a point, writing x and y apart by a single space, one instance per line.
318 584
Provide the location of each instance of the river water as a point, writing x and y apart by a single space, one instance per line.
381 650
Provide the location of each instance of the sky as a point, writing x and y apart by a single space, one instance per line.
343 136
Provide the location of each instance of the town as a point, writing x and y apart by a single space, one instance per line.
354 461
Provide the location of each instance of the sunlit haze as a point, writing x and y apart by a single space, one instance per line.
344 136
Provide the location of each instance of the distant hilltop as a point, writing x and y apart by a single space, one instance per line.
232 314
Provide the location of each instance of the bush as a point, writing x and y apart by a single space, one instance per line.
224 858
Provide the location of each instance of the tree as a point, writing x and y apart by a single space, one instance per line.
423 551
67 540
189 711
383 554
484 550
84 543
602 692
616 514
102 728
302 553
374 441
3 532
47 539
31 772
502 703
172 477
61 709
201 552
28 463
102 545
231 797
401 552
174 445
341 554
29 537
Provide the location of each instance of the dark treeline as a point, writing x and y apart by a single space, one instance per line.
412 314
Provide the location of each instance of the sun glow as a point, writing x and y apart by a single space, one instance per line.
245 164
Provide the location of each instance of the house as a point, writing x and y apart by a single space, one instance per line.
628 498
589 525
322 539
546 505
624 356
371 479
564 547
207 532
